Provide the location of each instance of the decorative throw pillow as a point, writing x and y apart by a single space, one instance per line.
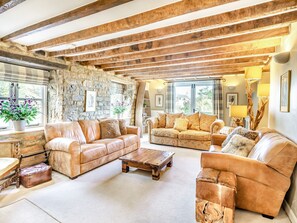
170 119
206 121
181 124
194 123
122 126
239 145
243 132
162 120
110 128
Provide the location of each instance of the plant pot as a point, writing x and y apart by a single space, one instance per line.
19 125
119 115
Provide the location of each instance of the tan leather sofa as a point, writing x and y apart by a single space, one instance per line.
263 178
77 147
195 139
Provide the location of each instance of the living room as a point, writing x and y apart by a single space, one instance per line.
148 111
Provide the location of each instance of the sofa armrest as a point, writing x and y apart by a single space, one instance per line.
63 144
136 131
218 139
152 122
246 168
216 126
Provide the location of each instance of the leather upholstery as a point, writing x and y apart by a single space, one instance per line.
91 129
91 152
112 145
129 139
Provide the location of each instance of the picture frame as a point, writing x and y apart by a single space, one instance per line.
90 101
231 99
285 89
159 100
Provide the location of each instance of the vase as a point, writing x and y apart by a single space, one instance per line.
19 125
119 115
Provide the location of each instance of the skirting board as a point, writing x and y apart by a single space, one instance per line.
289 212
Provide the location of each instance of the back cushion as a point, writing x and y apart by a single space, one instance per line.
91 129
123 126
109 128
277 152
170 119
162 120
194 122
70 130
206 121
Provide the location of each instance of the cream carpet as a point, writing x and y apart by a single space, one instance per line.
106 195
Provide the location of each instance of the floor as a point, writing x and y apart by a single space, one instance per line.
108 195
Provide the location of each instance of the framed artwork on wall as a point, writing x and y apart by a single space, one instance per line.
90 101
231 99
285 87
159 100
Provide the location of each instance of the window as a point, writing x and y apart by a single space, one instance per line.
118 99
193 97
22 91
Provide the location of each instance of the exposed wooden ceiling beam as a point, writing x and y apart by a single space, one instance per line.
233 55
259 44
195 46
5 5
152 16
75 14
258 11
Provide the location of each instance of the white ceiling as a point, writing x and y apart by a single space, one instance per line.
33 11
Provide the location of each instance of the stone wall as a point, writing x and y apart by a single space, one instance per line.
67 89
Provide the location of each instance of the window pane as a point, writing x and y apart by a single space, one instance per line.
204 99
183 99
30 91
4 89
3 124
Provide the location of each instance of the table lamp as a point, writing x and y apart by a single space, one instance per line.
238 113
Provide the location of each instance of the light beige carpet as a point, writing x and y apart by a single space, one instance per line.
106 195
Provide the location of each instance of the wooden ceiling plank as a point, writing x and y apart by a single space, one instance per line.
259 44
145 18
6 5
258 11
238 55
200 45
75 14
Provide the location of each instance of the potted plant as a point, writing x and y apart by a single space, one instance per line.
119 108
18 113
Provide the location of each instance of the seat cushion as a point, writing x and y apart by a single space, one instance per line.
194 135
6 165
109 128
162 132
91 129
206 121
129 139
112 145
91 152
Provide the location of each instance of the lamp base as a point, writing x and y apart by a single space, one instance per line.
239 122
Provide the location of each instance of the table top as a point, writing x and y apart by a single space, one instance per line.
148 156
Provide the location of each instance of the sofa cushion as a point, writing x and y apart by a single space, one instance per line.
129 139
91 152
206 121
239 145
112 145
162 132
243 132
194 135
71 130
194 121
162 120
170 119
181 124
91 129
123 126
109 128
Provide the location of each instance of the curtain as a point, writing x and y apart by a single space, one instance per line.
218 99
19 74
169 98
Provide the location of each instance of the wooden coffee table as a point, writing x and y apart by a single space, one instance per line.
147 159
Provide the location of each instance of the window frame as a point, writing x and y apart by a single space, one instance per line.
14 90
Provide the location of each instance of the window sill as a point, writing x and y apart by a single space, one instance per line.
13 132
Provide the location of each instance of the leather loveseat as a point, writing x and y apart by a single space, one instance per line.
263 178
77 147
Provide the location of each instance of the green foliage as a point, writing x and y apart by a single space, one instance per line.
11 110
204 101
186 107
119 107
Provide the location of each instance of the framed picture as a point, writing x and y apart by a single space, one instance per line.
231 99
285 87
159 100
90 101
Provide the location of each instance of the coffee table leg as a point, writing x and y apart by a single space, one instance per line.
125 167
156 174
170 163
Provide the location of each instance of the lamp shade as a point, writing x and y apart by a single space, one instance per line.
263 90
253 73
238 111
